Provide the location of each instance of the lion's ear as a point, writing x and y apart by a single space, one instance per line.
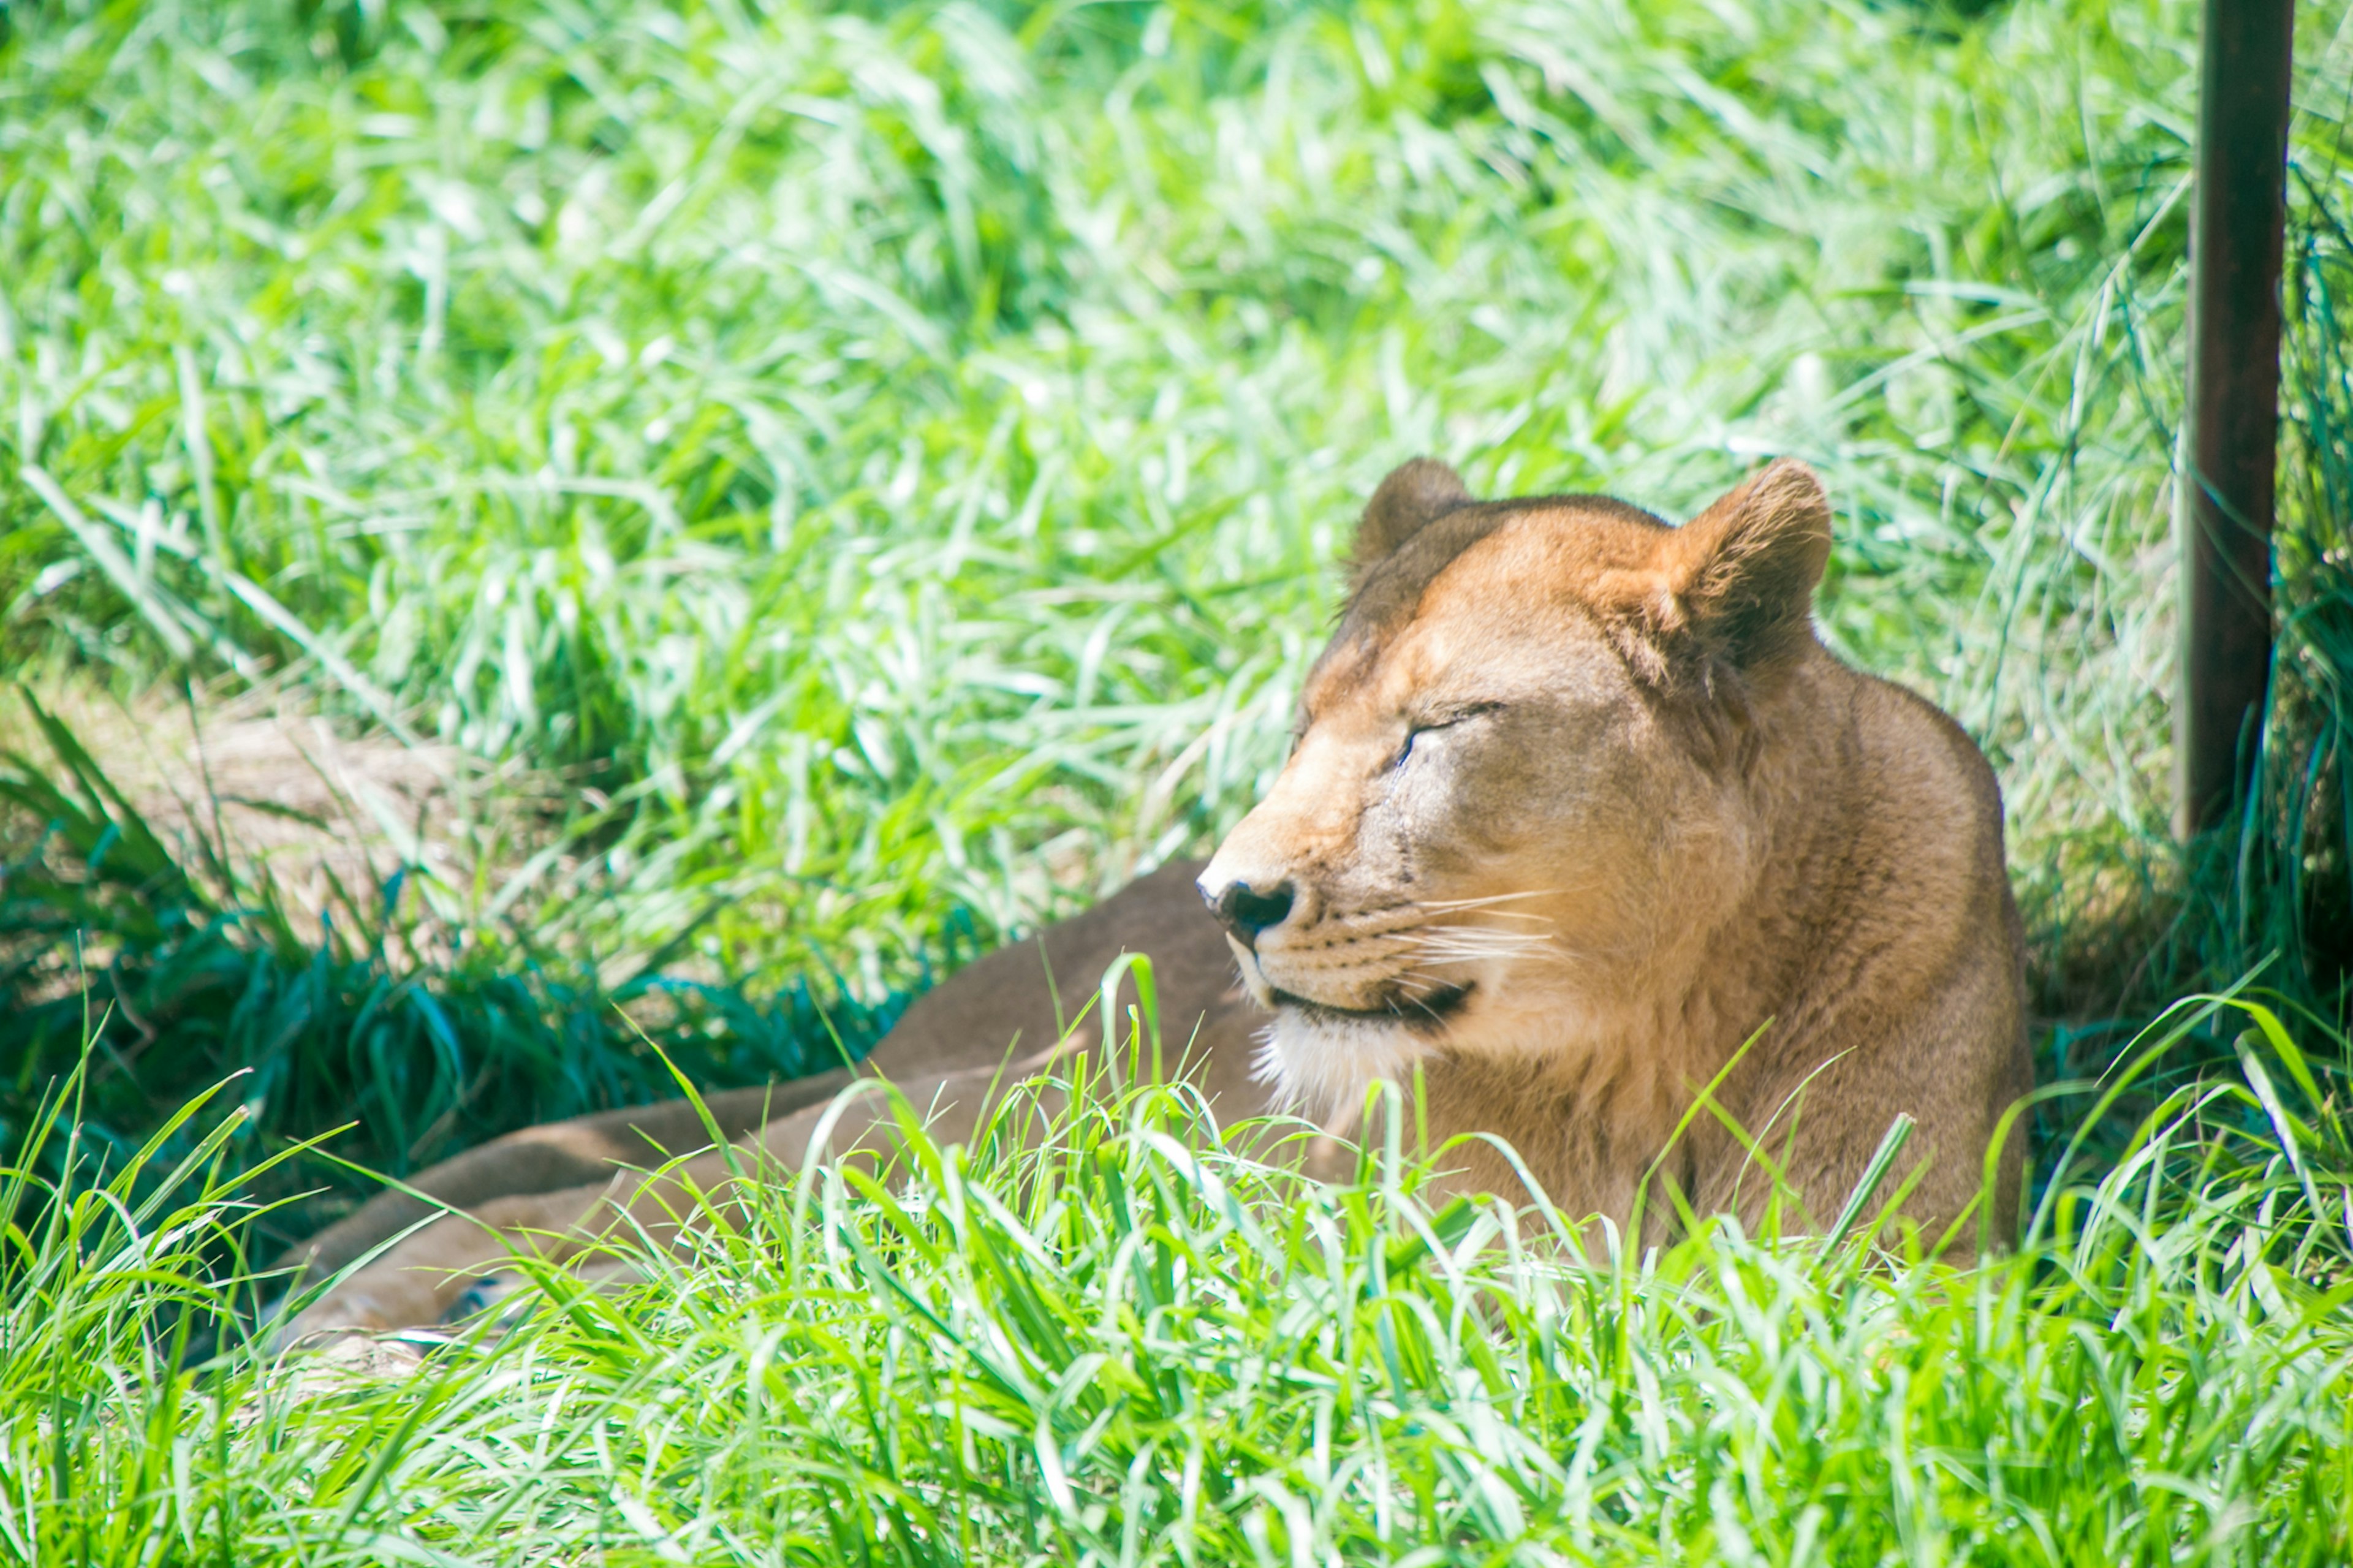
1740 576
1411 497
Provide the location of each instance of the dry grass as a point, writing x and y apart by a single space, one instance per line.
295 796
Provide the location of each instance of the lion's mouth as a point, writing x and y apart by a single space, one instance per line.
1427 1011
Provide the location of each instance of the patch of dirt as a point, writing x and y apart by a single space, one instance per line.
293 794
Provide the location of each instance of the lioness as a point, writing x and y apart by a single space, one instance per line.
1578 804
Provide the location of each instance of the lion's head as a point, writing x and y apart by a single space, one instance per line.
1523 783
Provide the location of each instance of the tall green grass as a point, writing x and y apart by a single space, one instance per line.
1129 1344
898 451
145 964
887 461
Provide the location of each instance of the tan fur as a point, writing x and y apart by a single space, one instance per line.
1579 806
552 1191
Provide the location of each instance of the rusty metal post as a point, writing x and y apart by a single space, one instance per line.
2239 216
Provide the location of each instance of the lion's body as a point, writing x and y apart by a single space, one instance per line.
979 1028
1579 807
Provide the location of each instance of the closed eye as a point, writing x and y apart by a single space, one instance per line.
1446 720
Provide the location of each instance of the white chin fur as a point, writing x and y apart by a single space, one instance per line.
1321 1067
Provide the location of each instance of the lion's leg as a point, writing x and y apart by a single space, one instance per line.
451 1267
955 1107
496 1291
552 1158
418 1279
864 1123
656 1209
650 1210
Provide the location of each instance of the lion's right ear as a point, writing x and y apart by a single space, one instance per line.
1740 576
1414 496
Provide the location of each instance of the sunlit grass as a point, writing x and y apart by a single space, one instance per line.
899 453
1129 1344
888 464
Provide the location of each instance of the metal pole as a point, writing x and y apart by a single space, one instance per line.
2239 216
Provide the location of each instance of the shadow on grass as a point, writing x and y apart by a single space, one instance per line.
172 963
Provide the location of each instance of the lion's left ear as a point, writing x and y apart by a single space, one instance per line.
1740 576
1415 495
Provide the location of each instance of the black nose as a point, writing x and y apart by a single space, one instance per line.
1246 912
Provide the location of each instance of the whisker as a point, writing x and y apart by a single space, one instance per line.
1450 944
1490 899
1472 933
1426 1008
1499 942
1516 915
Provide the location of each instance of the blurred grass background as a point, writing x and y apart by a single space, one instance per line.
880 469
